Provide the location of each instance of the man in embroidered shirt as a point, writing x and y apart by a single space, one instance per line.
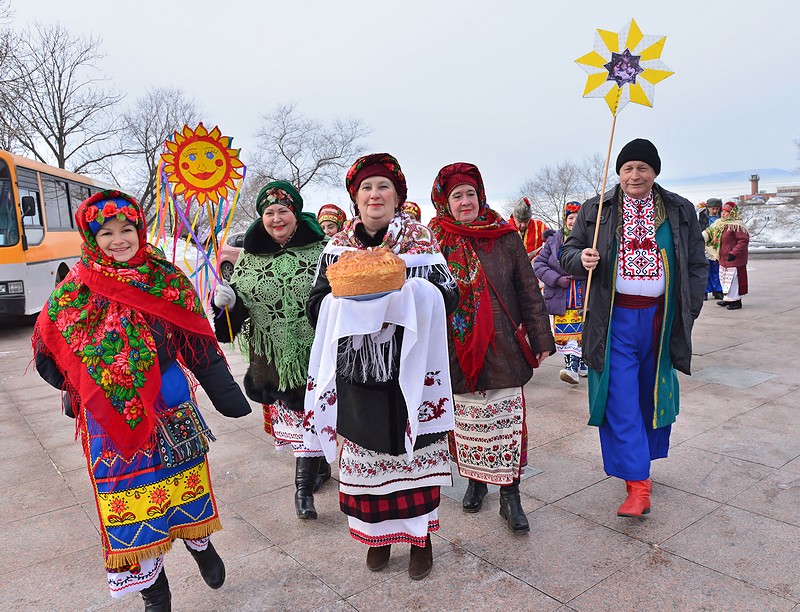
649 276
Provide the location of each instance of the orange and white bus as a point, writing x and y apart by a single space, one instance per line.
39 242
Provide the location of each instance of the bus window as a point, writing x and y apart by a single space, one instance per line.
9 230
34 230
77 194
28 184
56 204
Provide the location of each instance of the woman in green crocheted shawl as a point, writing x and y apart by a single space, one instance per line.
266 301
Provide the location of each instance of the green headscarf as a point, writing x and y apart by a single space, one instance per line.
286 194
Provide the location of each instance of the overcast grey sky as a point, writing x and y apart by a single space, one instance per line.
438 81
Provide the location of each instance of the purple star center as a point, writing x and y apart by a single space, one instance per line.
623 68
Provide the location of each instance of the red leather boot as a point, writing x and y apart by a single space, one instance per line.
638 501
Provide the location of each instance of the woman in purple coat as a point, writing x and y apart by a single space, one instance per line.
563 296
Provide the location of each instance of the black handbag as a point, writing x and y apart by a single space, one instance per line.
182 435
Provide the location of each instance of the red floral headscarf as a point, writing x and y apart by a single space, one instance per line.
473 320
412 209
376 164
96 327
332 213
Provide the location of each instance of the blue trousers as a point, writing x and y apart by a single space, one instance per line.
713 285
627 438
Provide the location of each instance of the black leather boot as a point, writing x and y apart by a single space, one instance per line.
157 597
305 476
212 569
323 475
511 508
473 498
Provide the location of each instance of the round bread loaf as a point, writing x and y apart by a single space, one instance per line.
365 272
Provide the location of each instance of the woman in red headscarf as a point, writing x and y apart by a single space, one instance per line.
497 292
413 210
119 335
331 218
378 375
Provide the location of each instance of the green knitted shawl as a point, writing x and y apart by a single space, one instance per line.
275 289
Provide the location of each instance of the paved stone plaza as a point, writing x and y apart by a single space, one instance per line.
723 534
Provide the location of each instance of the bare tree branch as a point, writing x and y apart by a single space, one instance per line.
56 102
304 151
10 129
553 186
591 174
153 118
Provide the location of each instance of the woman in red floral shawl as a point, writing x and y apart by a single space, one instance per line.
487 367
118 335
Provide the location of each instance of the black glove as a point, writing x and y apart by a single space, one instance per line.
731 257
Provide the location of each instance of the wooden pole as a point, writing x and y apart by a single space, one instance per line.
599 215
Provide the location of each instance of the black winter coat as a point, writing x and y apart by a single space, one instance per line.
703 218
691 273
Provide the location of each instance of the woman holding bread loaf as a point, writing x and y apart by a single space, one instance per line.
266 302
378 375
497 292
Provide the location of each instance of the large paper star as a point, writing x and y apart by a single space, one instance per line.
624 67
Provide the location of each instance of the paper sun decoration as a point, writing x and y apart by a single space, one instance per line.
624 67
202 164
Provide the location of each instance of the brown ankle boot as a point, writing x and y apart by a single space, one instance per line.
378 557
421 561
638 500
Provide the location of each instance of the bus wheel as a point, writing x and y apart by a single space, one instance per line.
63 270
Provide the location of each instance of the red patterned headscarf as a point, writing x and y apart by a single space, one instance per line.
571 207
332 213
412 209
376 164
96 327
473 320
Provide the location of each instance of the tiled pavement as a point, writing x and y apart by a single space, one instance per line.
724 532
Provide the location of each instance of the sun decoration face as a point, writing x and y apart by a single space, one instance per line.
202 164
624 67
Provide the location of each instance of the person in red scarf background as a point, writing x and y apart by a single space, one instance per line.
413 210
488 369
117 335
331 218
